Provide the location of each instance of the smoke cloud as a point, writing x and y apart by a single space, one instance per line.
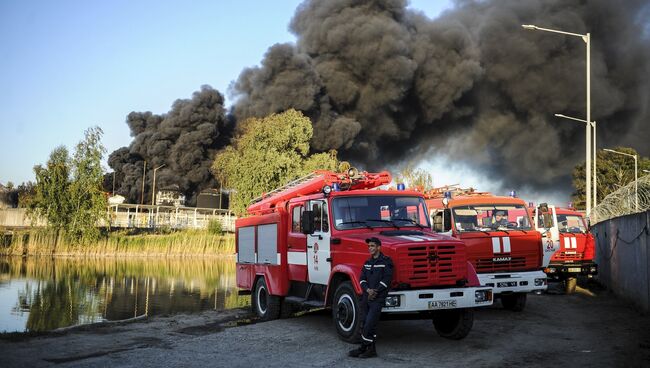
384 84
185 140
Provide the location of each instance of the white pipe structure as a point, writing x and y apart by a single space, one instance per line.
587 39
636 173
594 150
153 186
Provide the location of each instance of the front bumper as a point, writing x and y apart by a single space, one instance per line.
558 270
515 282
436 299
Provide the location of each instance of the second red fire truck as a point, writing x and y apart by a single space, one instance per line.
304 244
502 244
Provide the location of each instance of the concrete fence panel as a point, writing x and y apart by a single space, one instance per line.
623 256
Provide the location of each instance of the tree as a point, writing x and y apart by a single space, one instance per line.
415 178
613 172
51 200
68 193
269 152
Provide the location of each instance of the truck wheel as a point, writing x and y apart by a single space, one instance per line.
265 305
346 313
570 285
514 302
453 324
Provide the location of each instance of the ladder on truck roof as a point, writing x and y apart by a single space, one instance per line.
455 191
314 183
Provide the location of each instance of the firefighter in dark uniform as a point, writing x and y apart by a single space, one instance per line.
376 275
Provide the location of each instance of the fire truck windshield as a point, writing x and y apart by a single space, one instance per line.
490 217
571 224
379 211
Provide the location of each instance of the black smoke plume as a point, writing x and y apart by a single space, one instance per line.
384 84
185 140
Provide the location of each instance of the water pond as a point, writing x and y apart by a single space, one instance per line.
42 293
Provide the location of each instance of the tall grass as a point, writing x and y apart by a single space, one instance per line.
46 242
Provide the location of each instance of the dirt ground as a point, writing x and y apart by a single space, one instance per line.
591 328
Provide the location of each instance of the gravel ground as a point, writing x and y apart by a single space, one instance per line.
591 328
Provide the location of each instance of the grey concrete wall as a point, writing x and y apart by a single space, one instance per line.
623 256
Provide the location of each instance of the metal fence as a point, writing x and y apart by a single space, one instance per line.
623 201
152 217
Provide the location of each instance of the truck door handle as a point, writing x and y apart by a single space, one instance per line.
310 246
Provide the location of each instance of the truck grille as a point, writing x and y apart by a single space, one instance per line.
563 256
486 265
431 264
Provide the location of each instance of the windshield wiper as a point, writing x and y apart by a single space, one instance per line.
356 222
385 221
411 221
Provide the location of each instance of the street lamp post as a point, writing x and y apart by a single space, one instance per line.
636 173
587 39
594 150
153 186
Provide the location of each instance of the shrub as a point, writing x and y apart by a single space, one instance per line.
214 227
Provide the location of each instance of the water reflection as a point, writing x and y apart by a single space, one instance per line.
40 294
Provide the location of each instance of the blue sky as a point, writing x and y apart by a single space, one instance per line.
69 65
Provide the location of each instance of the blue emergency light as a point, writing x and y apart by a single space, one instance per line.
513 194
336 187
401 186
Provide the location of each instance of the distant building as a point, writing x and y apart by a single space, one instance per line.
170 196
116 199
213 198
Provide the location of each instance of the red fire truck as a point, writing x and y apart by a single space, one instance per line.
304 244
565 231
502 244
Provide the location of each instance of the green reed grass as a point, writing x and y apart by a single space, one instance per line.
42 242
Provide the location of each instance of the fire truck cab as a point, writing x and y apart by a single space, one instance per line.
572 247
502 244
303 245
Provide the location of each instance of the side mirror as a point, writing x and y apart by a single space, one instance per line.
307 222
548 220
543 207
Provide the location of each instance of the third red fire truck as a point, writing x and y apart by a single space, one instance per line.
304 244
566 232
502 244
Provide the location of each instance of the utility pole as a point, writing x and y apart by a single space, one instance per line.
153 187
144 173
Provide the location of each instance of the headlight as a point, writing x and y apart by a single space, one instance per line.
540 282
482 296
392 301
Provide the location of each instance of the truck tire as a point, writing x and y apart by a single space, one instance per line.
346 313
453 324
515 302
265 305
570 285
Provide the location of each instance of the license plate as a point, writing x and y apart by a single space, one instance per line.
574 269
442 304
507 284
